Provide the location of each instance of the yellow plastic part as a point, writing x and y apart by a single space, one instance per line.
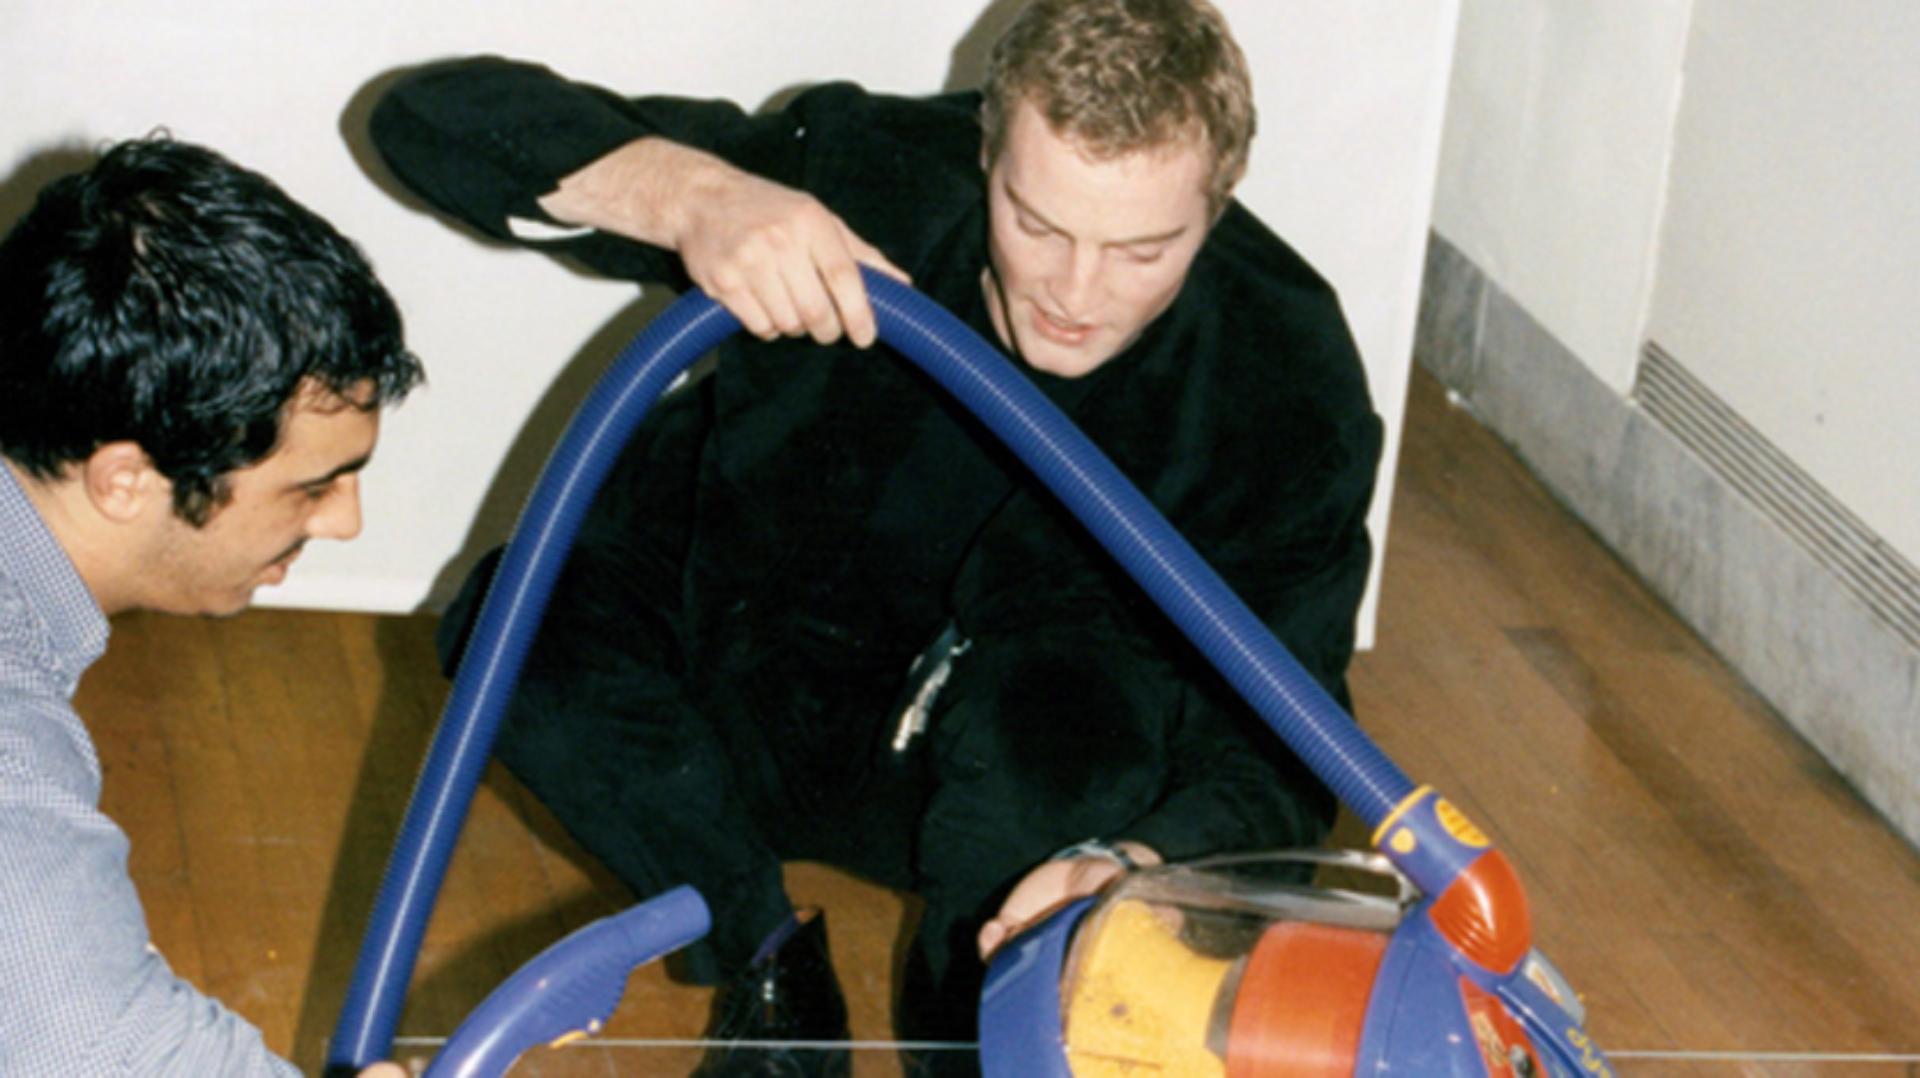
1140 1001
1406 804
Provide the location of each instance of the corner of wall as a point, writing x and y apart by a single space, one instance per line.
1773 609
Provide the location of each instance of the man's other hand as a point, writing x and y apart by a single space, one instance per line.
1052 885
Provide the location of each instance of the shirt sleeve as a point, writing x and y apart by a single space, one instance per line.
86 993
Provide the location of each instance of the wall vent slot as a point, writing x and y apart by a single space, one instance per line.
1884 580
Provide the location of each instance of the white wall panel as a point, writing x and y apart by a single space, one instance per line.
1351 95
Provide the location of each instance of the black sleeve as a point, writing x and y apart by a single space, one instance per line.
483 139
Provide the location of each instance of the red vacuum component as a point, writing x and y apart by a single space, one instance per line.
1303 1002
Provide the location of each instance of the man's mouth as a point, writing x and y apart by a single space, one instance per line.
1059 330
277 569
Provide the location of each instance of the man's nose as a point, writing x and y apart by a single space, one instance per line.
339 514
1076 279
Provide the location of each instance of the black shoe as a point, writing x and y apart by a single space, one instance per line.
788 995
945 1014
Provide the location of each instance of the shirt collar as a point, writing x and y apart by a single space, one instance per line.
48 582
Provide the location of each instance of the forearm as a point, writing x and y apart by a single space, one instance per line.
86 994
644 190
491 141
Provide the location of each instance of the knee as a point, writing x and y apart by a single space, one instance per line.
1035 756
1052 730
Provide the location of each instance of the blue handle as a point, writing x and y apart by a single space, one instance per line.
572 986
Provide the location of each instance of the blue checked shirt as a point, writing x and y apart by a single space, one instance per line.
82 991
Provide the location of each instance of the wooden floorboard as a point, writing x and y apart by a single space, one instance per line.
1721 898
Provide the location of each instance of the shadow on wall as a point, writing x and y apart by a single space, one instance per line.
507 492
35 171
520 468
969 58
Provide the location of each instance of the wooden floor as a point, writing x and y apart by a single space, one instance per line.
1720 897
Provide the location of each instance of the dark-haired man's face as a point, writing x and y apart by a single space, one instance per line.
307 488
1087 252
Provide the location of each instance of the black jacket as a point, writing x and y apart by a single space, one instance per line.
831 510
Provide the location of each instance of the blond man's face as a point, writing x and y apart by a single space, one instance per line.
1087 252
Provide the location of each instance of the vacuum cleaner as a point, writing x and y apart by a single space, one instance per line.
1221 967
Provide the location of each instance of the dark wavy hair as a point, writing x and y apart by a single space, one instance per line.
171 298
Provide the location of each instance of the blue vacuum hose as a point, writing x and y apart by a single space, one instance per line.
1130 527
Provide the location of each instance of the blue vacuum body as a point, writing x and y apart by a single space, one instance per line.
1213 969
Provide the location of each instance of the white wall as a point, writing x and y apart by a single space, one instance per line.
1553 168
1789 277
1733 180
1351 100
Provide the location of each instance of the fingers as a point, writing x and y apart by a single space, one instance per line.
870 255
830 298
784 265
847 293
992 935
797 299
734 292
812 290
1042 892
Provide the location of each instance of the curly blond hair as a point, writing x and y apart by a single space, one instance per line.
1122 76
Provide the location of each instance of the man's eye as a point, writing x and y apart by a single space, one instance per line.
315 492
1145 256
1033 228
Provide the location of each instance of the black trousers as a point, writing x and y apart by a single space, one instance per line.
668 784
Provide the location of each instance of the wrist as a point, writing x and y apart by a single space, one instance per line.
640 190
1128 855
693 180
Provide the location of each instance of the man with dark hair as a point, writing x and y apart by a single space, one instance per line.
192 368
817 614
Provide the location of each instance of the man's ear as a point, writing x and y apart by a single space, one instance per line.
121 482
